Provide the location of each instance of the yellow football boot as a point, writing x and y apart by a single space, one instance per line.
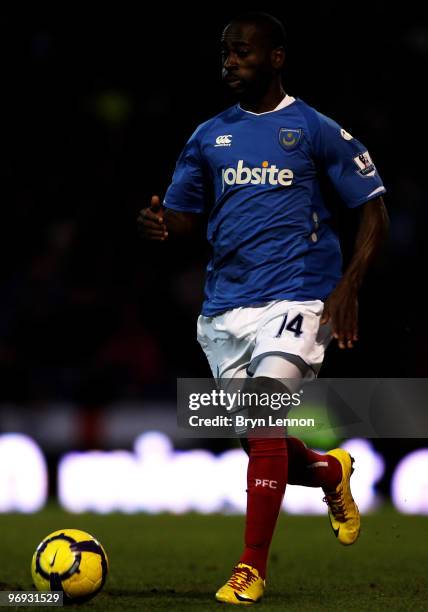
244 587
342 510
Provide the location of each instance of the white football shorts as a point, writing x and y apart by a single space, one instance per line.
257 340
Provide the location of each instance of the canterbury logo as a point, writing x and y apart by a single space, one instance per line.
223 141
271 175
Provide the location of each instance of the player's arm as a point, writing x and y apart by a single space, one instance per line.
353 174
157 222
341 307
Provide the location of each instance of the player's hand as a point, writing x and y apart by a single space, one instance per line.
341 310
150 221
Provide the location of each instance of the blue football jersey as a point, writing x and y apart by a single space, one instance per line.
257 177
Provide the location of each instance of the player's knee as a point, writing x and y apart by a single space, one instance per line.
265 397
264 384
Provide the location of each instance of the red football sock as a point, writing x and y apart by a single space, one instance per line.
266 481
311 469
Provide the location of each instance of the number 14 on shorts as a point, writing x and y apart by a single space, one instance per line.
294 326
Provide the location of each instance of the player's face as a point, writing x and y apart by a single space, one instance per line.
247 59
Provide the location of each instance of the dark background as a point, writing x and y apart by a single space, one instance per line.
96 107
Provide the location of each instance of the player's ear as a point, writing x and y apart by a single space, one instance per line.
277 57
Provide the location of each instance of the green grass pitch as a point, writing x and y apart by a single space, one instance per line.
177 562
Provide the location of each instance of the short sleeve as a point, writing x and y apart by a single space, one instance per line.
187 191
347 163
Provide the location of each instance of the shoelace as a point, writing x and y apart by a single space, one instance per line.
241 578
335 503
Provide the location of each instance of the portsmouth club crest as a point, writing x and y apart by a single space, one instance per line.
289 139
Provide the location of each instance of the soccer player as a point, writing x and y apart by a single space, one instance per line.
275 293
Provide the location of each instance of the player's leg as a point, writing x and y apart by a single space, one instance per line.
306 467
266 482
310 468
228 342
292 333
228 345
267 465
330 471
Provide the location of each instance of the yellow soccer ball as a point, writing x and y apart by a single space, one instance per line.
71 561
